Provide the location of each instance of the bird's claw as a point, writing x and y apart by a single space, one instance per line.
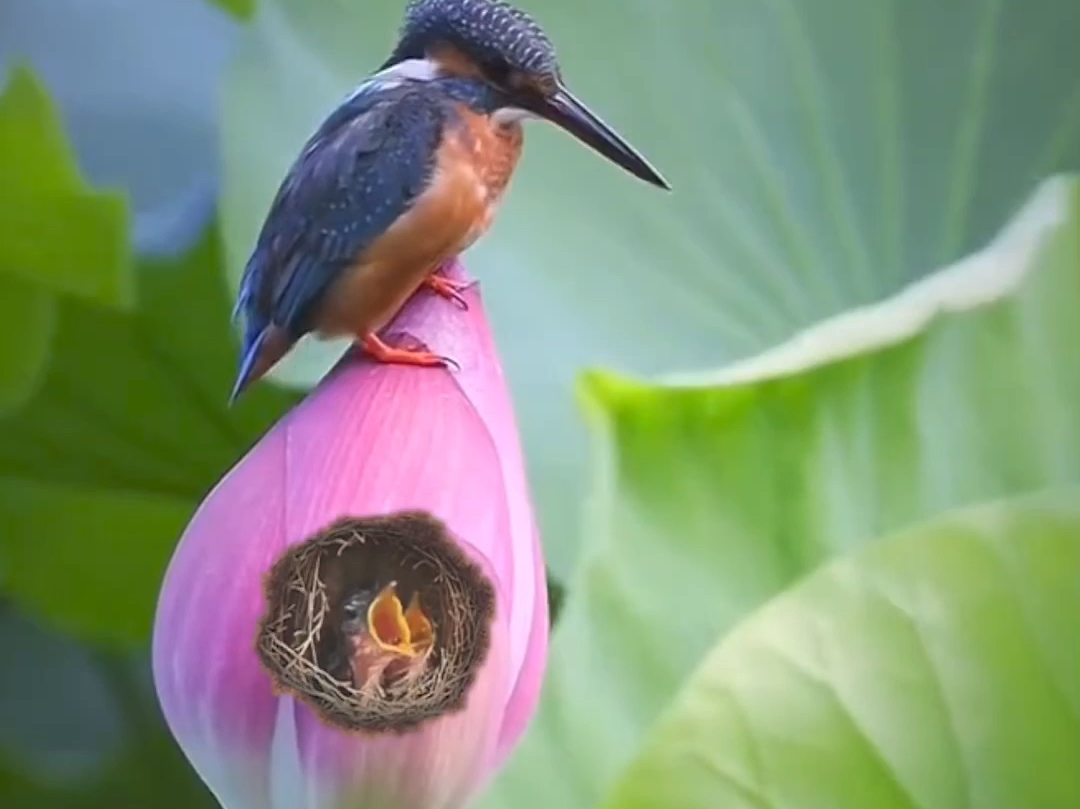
449 362
451 290
380 351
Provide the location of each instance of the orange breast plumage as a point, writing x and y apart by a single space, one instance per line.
491 151
473 166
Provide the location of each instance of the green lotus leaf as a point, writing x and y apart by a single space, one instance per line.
933 669
715 492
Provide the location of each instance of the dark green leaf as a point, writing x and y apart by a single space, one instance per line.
55 230
129 430
57 235
89 559
27 321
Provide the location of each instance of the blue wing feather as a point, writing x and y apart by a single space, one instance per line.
357 174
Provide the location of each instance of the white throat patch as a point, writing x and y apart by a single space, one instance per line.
408 70
511 115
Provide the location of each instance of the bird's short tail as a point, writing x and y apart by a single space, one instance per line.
262 350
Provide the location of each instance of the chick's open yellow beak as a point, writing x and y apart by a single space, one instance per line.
406 632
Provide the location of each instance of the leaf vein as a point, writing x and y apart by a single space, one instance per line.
969 133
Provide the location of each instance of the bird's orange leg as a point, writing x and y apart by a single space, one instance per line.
451 290
380 351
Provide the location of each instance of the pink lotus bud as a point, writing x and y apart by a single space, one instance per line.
356 616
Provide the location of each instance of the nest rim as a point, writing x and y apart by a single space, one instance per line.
466 594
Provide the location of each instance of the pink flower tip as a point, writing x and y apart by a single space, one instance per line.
356 616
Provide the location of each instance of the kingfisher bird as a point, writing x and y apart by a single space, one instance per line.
403 176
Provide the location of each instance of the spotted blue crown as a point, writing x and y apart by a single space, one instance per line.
500 37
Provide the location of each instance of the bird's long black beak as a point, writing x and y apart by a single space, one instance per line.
567 112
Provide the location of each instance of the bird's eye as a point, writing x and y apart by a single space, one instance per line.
548 84
541 84
353 607
499 73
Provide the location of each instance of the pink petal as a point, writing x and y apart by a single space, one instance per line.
371 439
526 693
213 692
482 380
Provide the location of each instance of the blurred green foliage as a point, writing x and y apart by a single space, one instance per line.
127 433
824 153
150 770
57 231
57 235
243 9
114 378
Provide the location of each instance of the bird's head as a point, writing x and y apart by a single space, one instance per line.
503 45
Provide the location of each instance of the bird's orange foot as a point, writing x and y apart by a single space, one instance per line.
451 290
380 351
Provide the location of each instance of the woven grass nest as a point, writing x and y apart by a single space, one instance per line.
301 638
